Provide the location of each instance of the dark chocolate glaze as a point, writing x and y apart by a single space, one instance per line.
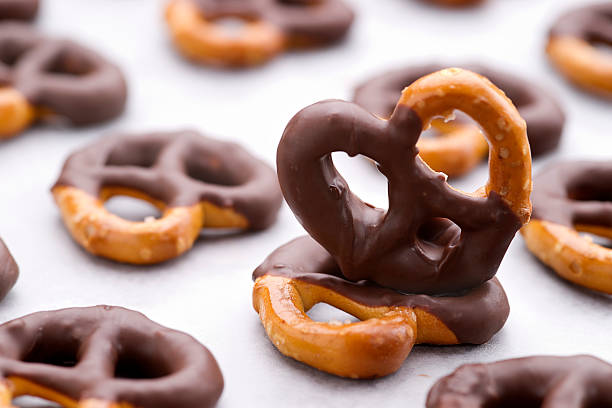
542 113
474 317
18 9
180 169
412 247
71 81
559 382
9 271
574 192
591 23
112 354
307 21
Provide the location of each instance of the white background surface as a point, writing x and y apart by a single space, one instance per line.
207 292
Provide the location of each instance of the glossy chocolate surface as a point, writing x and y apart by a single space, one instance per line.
18 9
545 118
69 80
591 23
303 21
531 382
574 192
432 240
112 354
9 271
180 169
474 317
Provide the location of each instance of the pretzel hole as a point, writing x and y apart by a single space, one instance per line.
61 352
370 186
213 171
9 56
326 313
67 62
232 26
131 208
34 402
514 401
141 363
144 155
435 236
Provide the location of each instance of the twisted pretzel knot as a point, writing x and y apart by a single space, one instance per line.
433 239
104 357
547 382
195 181
271 26
44 77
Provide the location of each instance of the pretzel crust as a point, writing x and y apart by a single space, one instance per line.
103 233
375 347
444 91
16 113
13 387
573 257
201 40
581 63
457 150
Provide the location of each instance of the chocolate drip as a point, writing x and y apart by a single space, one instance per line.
180 169
544 117
60 75
9 271
112 354
592 24
474 317
18 9
574 192
560 382
314 22
432 240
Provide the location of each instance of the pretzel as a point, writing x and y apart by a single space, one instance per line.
196 182
302 273
270 27
463 146
18 9
9 271
433 239
571 47
540 381
45 79
572 197
105 357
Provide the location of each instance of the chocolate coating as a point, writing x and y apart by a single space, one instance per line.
9 271
414 246
545 118
180 169
574 192
591 23
112 354
71 81
303 21
474 317
541 381
18 9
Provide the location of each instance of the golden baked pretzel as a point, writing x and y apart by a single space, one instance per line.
569 198
196 182
269 28
301 274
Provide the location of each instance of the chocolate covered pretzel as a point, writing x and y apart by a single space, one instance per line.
18 9
9 271
105 357
384 267
195 181
541 381
45 78
572 48
572 197
545 118
270 27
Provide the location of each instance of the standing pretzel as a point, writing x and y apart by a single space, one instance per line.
9 271
433 239
270 27
45 78
105 357
196 182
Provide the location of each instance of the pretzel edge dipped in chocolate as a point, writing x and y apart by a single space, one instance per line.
9 271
